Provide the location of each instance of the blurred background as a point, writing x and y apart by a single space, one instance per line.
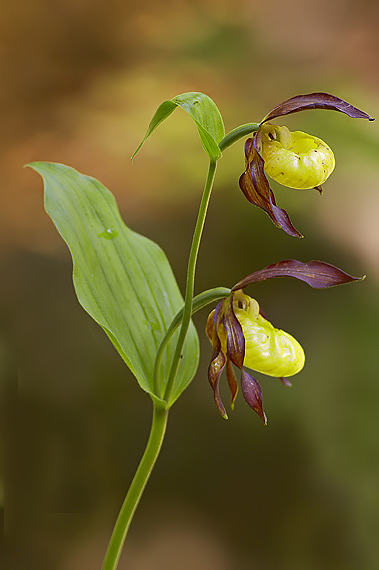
80 81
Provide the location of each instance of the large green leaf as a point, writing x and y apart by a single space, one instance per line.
203 111
122 279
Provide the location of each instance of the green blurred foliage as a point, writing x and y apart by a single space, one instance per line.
80 82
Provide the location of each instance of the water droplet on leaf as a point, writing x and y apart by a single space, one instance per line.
108 234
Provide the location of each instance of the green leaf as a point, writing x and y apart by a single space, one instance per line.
121 278
203 111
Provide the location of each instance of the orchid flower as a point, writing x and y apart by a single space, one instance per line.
242 336
294 159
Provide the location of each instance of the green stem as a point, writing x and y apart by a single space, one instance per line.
200 301
190 284
237 134
137 487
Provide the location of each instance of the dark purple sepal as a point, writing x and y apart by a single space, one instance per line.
210 329
252 393
318 274
234 334
232 382
283 219
316 101
218 360
215 370
217 397
219 311
256 188
216 366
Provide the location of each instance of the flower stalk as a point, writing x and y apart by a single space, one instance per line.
190 283
237 134
141 477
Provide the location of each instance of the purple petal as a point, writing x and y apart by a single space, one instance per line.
216 366
210 329
217 397
316 101
232 381
218 360
219 313
317 274
283 219
234 335
252 393
215 369
256 188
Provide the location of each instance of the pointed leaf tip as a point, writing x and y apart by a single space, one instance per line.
206 115
164 110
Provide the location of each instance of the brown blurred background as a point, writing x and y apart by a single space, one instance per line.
79 83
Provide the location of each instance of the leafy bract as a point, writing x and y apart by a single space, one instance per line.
121 278
203 111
